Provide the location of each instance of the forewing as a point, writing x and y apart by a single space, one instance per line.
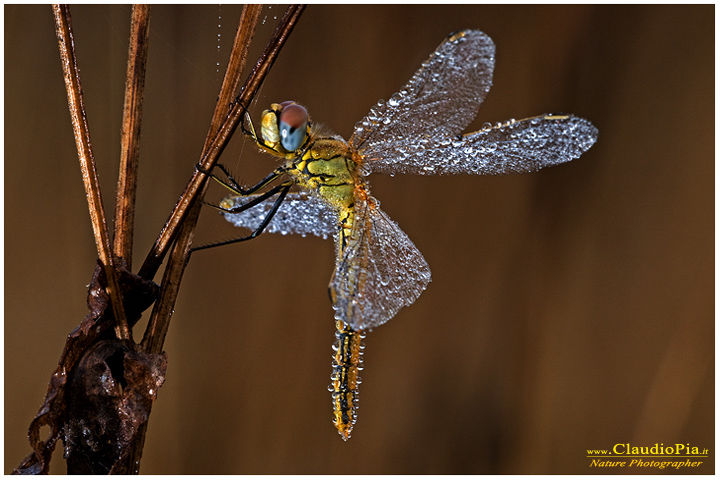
511 147
441 99
380 271
299 213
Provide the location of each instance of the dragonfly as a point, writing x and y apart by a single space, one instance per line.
378 269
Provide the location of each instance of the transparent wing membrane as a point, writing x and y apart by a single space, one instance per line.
299 213
440 100
512 147
418 130
380 272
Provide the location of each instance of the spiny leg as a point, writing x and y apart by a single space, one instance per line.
231 184
283 188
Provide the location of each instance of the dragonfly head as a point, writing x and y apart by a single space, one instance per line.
285 126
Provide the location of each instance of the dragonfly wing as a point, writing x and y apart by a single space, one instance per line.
299 213
511 147
380 271
441 99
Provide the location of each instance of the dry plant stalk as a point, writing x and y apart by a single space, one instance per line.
130 136
160 317
104 386
220 140
71 75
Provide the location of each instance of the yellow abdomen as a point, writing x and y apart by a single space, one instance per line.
347 363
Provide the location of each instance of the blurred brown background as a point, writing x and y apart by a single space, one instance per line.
570 309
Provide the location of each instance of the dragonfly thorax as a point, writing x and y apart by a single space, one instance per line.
327 169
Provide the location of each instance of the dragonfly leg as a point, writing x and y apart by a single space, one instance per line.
282 188
231 184
245 131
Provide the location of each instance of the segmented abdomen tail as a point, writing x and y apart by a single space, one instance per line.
347 363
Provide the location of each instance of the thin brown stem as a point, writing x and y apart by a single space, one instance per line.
63 29
230 123
148 369
236 66
161 315
160 318
164 306
129 144
160 321
254 81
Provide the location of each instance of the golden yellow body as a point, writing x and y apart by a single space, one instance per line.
419 130
345 378
325 166
328 170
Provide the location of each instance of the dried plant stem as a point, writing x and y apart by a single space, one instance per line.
129 144
160 318
65 409
63 30
230 123
160 322
235 68
161 315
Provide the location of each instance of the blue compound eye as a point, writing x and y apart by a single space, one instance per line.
293 123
